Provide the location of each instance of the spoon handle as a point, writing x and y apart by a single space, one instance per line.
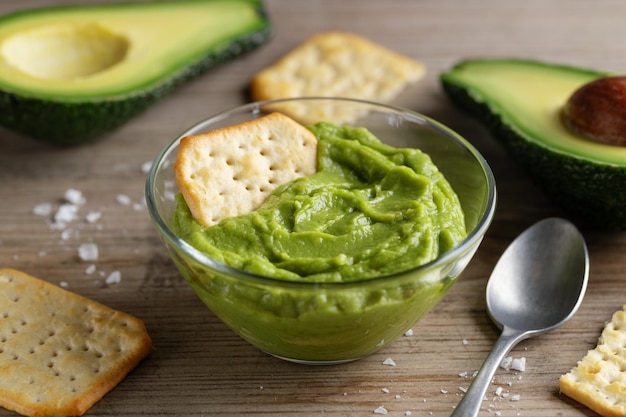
469 406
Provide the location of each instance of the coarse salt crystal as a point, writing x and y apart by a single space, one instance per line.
43 209
123 199
88 252
63 284
90 269
389 362
114 277
385 390
407 413
66 213
66 234
409 332
515 397
381 410
74 196
93 216
519 364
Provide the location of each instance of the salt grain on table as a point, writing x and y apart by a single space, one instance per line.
88 252
114 278
74 196
43 209
93 216
381 410
123 199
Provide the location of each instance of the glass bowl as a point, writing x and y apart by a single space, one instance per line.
329 323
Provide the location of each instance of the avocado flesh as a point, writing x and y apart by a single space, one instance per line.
71 73
520 102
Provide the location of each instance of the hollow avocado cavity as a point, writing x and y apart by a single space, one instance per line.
64 52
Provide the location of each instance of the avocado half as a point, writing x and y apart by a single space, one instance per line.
71 73
520 102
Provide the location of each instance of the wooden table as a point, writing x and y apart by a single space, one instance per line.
199 367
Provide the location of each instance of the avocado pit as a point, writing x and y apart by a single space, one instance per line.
597 111
64 52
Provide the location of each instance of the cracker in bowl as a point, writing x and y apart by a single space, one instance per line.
60 352
336 64
231 171
599 379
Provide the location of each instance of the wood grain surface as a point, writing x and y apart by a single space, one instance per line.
201 368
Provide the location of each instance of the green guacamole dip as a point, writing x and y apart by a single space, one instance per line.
369 210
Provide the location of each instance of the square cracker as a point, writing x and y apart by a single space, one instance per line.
599 379
231 171
336 64
61 352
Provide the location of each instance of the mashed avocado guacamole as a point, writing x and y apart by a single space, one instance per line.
369 210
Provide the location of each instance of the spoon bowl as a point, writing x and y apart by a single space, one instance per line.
539 281
536 286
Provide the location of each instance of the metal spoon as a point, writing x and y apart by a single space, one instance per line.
536 286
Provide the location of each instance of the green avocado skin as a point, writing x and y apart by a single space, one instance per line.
593 192
65 122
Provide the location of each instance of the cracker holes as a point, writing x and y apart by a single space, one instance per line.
55 372
5 315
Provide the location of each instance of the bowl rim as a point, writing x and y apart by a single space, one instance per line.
473 238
